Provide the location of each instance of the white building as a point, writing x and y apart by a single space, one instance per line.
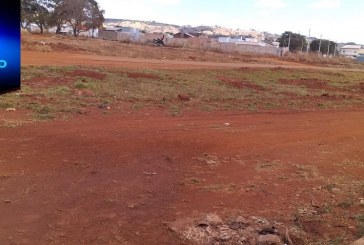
230 39
90 33
350 51
120 33
242 41
65 29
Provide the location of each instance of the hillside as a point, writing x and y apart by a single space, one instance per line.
156 27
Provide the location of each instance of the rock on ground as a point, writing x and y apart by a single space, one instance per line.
359 242
269 240
211 219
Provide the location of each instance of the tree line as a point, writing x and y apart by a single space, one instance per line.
55 13
297 42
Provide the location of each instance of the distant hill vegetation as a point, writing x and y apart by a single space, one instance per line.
158 27
140 21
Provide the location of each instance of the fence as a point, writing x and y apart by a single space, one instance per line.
121 36
197 42
212 44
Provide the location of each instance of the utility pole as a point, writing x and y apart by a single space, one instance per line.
289 42
320 44
308 40
328 49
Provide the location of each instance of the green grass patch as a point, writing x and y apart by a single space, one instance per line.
52 91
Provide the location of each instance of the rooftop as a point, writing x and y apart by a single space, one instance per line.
351 47
113 29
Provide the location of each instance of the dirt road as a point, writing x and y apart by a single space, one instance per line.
63 59
120 178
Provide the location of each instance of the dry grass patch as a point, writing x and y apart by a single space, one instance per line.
51 92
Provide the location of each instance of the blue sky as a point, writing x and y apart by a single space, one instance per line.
338 20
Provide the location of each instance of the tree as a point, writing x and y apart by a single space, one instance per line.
96 18
315 46
295 41
73 12
81 12
77 13
57 16
35 11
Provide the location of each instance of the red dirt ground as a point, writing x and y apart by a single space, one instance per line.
63 58
86 73
141 75
309 83
120 178
61 47
86 181
361 87
39 82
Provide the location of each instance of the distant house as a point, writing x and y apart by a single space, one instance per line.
32 27
183 35
89 33
251 39
350 51
65 29
120 33
227 39
237 39
275 44
260 44
113 29
242 40
361 51
360 57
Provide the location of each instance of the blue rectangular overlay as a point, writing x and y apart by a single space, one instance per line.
9 45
